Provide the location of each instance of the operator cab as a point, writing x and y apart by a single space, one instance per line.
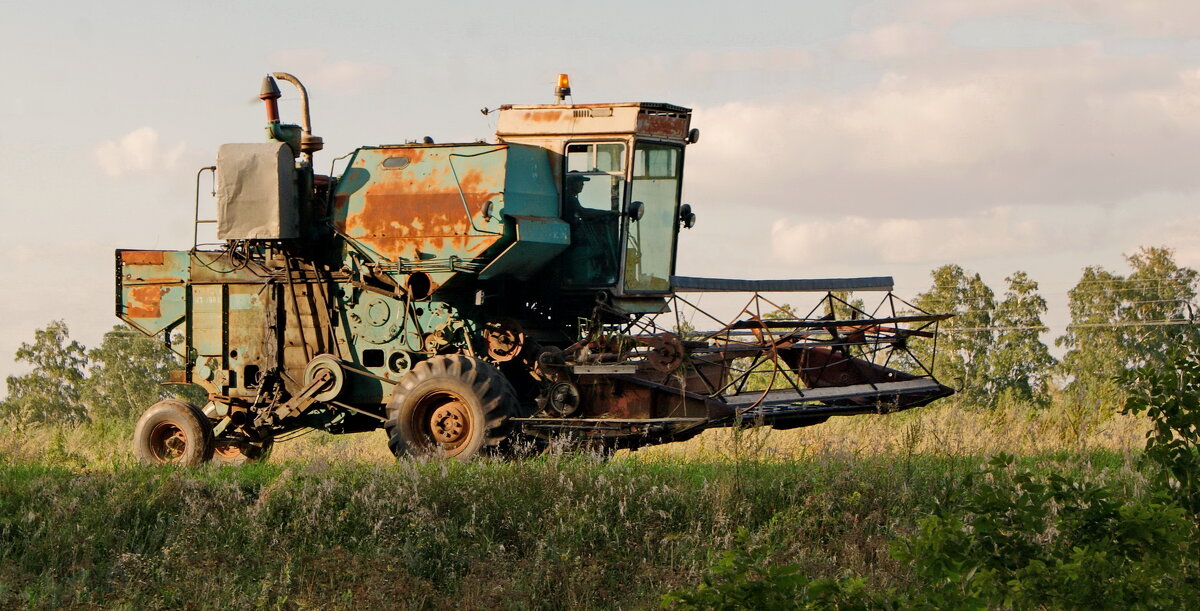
619 170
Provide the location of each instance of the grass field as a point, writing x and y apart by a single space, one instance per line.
335 522
941 430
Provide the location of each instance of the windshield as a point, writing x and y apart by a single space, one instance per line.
650 247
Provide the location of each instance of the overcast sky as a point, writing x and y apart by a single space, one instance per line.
838 138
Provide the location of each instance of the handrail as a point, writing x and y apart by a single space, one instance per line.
196 220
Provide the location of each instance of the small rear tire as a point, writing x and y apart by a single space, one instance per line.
173 432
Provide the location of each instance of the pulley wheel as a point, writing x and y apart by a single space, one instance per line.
666 352
563 399
504 340
330 363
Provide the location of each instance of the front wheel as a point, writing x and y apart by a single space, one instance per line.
454 406
173 431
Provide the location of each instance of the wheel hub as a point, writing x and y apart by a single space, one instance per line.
168 441
449 423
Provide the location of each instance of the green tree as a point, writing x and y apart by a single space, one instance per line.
963 351
51 391
1157 298
1095 350
1169 393
784 312
1119 323
127 372
1021 364
844 306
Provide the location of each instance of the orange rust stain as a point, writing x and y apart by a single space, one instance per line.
142 257
403 218
340 201
131 281
418 211
476 182
145 301
543 116
414 155
662 125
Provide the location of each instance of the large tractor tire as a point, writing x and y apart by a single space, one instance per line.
453 406
173 431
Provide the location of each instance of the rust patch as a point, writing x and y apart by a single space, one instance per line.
662 125
613 398
142 257
544 116
130 280
823 366
145 301
414 156
413 215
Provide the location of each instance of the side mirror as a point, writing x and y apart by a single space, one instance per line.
686 216
635 210
694 135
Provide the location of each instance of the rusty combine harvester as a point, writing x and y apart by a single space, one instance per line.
479 298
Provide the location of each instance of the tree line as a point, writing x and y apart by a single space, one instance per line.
70 384
991 350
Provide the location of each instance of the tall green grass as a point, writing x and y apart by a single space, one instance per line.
553 532
336 522
940 430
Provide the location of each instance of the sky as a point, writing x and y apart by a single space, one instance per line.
850 138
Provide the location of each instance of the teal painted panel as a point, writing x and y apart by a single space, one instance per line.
538 242
529 188
150 288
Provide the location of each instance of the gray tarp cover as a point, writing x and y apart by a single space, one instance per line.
256 192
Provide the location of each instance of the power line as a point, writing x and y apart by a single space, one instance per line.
1086 325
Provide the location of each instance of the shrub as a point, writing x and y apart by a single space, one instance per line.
1169 394
744 578
1020 540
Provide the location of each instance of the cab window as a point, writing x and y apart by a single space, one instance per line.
595 176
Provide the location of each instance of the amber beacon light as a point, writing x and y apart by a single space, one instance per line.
563 89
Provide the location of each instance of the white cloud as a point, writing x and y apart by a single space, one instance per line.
745 69
896 40
1045 126
1151 18
1180 18
735 60
332 76
137 151
1000 231
1179 233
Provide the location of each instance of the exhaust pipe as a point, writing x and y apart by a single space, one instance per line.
309 143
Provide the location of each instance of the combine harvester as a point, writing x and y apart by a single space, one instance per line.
479 298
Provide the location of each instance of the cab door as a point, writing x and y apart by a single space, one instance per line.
594 187
650 242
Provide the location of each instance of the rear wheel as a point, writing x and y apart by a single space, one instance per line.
173 431
454 406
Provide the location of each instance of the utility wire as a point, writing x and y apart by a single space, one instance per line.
1085 325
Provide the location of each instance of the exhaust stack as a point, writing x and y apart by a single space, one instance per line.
309 143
